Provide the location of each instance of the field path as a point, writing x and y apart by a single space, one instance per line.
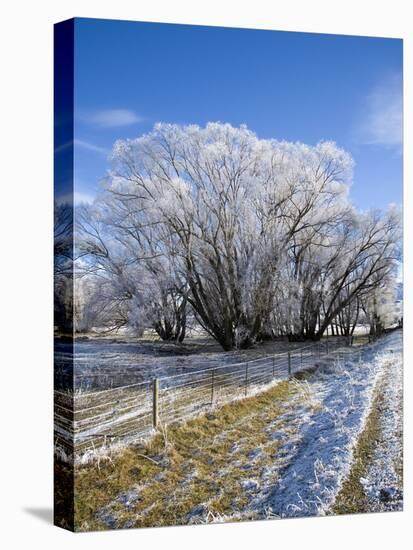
283 453
383 482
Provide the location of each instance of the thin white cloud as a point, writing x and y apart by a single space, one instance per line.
112 118
383 116
90 147
82 144
78 197
63 146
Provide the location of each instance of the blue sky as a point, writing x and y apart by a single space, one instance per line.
282 85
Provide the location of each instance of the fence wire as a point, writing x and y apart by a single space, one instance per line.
88 420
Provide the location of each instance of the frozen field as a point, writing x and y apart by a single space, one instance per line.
318 458
101 364
113 398
267 464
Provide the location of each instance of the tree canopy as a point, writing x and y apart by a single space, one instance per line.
250 238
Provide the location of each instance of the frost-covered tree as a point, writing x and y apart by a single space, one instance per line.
63 267
332 276
129 284
381 307
256 238
225 207
367 251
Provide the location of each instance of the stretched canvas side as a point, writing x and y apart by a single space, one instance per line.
63 273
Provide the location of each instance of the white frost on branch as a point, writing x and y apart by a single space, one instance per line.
249 237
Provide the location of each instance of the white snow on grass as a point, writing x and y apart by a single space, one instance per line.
318 459
382 483
295 463
117 416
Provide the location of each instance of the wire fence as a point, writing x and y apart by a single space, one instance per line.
85 421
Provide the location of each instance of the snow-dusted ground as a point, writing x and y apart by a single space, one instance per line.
383 482
100 364
114 417
318 457
308 451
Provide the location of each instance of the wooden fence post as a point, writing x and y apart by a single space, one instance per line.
289 364
155 403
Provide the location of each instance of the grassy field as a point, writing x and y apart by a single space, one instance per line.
352 498
379 449
113 415
204 460
313 435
